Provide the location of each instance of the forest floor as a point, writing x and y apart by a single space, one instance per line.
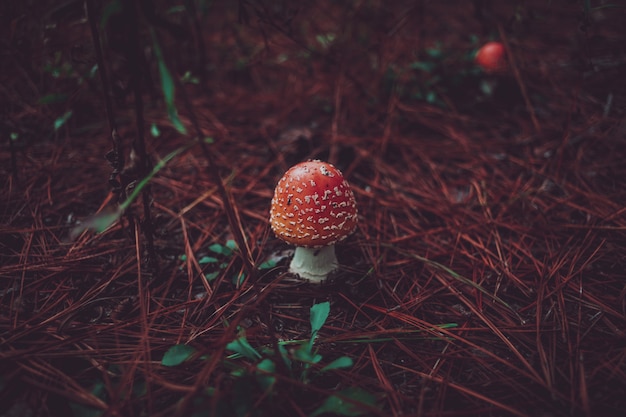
487 274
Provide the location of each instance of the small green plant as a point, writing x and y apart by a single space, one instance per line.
302 363
223 252
219 259
305 355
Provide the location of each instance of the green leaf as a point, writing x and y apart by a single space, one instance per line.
319 314
92 71
326 39
189 78
168 87
98 222
265 367
267 265
154 130
231 244
305 354
242 347
211 275
53 98
342 362
431 97
220 249
348 402
207 260
59 122
177 354
487 87
425 66
284 355
238 279
434 52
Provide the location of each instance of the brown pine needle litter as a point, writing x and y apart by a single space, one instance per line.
487 276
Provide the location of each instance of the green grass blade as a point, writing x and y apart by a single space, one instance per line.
339 363
243 347
60 121
102 221
461 279
159 166
168 87
348 402
177 354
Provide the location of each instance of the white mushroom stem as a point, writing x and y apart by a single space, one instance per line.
314 264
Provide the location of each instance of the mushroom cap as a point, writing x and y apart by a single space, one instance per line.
492 57
313 206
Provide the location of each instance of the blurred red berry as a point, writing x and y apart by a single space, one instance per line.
491 57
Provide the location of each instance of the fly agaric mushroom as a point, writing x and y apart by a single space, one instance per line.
313 208
491 57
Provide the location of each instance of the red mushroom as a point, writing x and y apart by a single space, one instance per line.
491 57
313 208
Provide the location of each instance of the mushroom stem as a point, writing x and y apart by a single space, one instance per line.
314 264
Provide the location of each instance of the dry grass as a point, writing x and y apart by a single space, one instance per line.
487 273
